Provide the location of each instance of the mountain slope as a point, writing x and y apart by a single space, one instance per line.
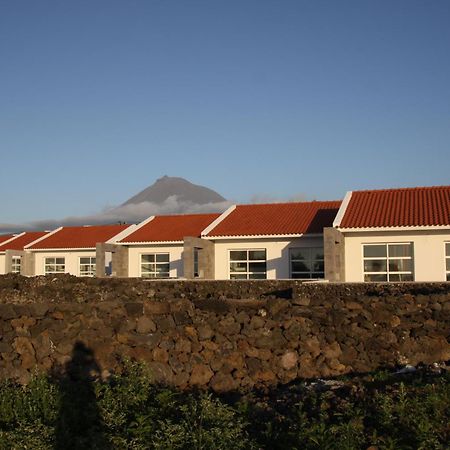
184 190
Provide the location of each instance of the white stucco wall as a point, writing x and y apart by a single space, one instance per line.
72 260
429 252
175 257
2 264
277 253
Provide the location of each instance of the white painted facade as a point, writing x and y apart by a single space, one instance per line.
428 251
175 252
277 253
71 259
2 264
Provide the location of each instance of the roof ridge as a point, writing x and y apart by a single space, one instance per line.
417 188
306 202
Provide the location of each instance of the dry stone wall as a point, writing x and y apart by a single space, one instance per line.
223 335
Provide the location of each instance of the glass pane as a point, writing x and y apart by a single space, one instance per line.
59 268
317 253
257 276
375 265
400 277
319 266
256 255
303 275
371 251
238 255
49 261
162 275
85 260
318 275
300 253
238 267
298 266
375 277
235 276
148 267
162 257
399 250
60 261
400 265
296 275
147 258
162 268
447 264
448 277
257 267
447 249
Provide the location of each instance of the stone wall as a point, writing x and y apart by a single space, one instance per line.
223 335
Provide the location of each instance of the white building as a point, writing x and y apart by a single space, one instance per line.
156 246
271 241
71 249
12 254
391 235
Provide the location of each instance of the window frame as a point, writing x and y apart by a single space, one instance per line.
55 264
311 260
148 274
387 259
89 273
15 265
238 275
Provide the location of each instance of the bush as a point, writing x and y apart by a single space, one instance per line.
130 412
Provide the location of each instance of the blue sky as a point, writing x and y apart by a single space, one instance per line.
261 98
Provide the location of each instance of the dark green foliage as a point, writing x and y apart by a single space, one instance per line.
383 410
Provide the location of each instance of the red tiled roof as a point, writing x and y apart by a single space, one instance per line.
20 241
171 228
277 219
79 237
5 237
423 206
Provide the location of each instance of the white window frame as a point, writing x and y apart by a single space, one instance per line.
154 273
48 264
310 261
247 274
91 270
16 264
447 260
387 259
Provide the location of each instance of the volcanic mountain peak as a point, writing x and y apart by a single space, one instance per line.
184 190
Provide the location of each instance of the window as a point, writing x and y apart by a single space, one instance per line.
307 262
54 265
87 266
196 254
155 265
447 260
16 262
388 262
248 264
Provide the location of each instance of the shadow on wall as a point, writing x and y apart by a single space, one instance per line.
79 425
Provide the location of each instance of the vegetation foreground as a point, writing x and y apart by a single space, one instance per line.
381 410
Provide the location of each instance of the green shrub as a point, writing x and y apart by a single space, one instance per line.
130 412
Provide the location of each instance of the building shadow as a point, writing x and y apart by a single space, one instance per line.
79 424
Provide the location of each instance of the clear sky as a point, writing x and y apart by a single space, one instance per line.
280 98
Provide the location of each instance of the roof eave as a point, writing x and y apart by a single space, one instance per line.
258 236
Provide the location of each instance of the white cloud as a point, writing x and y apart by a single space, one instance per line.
131 213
